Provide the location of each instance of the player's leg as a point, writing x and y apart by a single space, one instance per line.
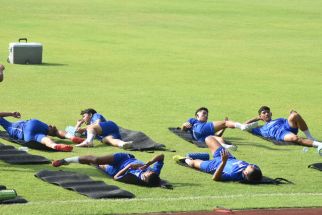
219 125
222 143
212 144
290 137
89 159
295 120
35 130
193 163
112 140
64 134
47 141
112 136
92 131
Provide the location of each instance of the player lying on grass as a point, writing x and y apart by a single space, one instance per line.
1 72
204 131
282 129
119 164
108 132
33 130
99 128
223 166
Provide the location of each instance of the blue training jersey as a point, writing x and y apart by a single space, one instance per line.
233 170
201 130
96 117
271 129
137 172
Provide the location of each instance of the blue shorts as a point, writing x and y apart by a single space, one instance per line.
120 160
109 128
285 129
210 166
31 130
201 131
276 129
35 130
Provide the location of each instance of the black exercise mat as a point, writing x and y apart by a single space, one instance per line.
265 180
317 166
17 200
186 135
10 154
141 142
83 184
31 144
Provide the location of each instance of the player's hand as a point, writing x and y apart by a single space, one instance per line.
16 115
80 122
136 166
144 167
224 155
187 125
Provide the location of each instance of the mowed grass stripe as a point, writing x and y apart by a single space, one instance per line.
263 195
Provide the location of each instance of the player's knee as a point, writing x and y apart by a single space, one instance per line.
219 139
295 139
93 159
294 116
210 140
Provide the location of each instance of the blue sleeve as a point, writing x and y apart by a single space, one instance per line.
226 177
96 117
192 121
256 131
157 167
232 176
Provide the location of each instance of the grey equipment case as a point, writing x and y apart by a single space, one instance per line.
25 53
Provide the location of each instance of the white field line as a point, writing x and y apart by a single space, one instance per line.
175 198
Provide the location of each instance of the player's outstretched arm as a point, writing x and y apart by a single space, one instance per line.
255 119
125 169
13 114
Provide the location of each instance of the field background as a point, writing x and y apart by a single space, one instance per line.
148 65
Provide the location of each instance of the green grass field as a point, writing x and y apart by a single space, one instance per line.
148 65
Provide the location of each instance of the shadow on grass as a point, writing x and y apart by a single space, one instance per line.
263 146
185 184
51 64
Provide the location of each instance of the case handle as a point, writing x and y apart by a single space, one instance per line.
25 39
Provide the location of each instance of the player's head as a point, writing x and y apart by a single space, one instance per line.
253 173
151 178
87 114
265 113
52 130
202 114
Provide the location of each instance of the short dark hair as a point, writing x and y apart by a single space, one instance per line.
200 109
255 175
263 108
88 111
153 180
